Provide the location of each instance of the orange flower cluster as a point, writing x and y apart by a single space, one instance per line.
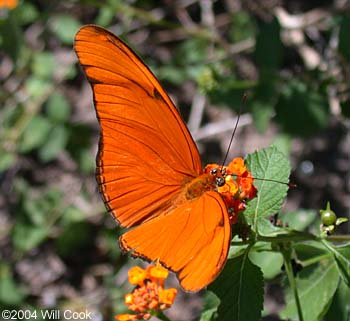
238 188
8 4
149 295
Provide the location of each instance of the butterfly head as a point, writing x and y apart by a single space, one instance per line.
217 172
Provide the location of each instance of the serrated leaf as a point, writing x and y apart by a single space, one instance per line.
316 285
342 258
268 163
238 283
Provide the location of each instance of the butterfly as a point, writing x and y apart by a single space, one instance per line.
149 169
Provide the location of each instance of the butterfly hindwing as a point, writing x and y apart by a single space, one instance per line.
191 240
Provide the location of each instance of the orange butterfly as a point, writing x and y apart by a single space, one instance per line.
149 169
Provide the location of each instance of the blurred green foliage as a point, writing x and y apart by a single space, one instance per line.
49 133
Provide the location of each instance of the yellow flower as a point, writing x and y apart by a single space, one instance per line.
237 166
167 296
149 295
157 272
137 275
126 317
128 299
229 186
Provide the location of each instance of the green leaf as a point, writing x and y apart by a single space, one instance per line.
26 13
268 49
6 160
58 108
266 228
342 258
86 161
299 220
240 288
311 250
39 208
11 36
269 262
36 87
302 110
242 26
75 237
55 144
208 315
10 292
65 27
344 37
316 286
72 215
345 108
27 237
105 16
35 134
44 65
210 304
340 307
268 163
262 112
283 143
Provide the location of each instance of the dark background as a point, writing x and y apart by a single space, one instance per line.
58 247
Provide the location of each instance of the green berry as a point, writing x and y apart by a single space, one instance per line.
328 217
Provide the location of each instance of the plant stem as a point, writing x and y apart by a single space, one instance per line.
338 238
301 236
316 259
292 282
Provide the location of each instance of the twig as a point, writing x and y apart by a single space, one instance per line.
220 127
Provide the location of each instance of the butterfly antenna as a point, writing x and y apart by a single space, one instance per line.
244 99
291 185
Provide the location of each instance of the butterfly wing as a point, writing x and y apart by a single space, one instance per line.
146 152
192 240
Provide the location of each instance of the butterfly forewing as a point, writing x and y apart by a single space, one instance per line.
146 151
146 160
